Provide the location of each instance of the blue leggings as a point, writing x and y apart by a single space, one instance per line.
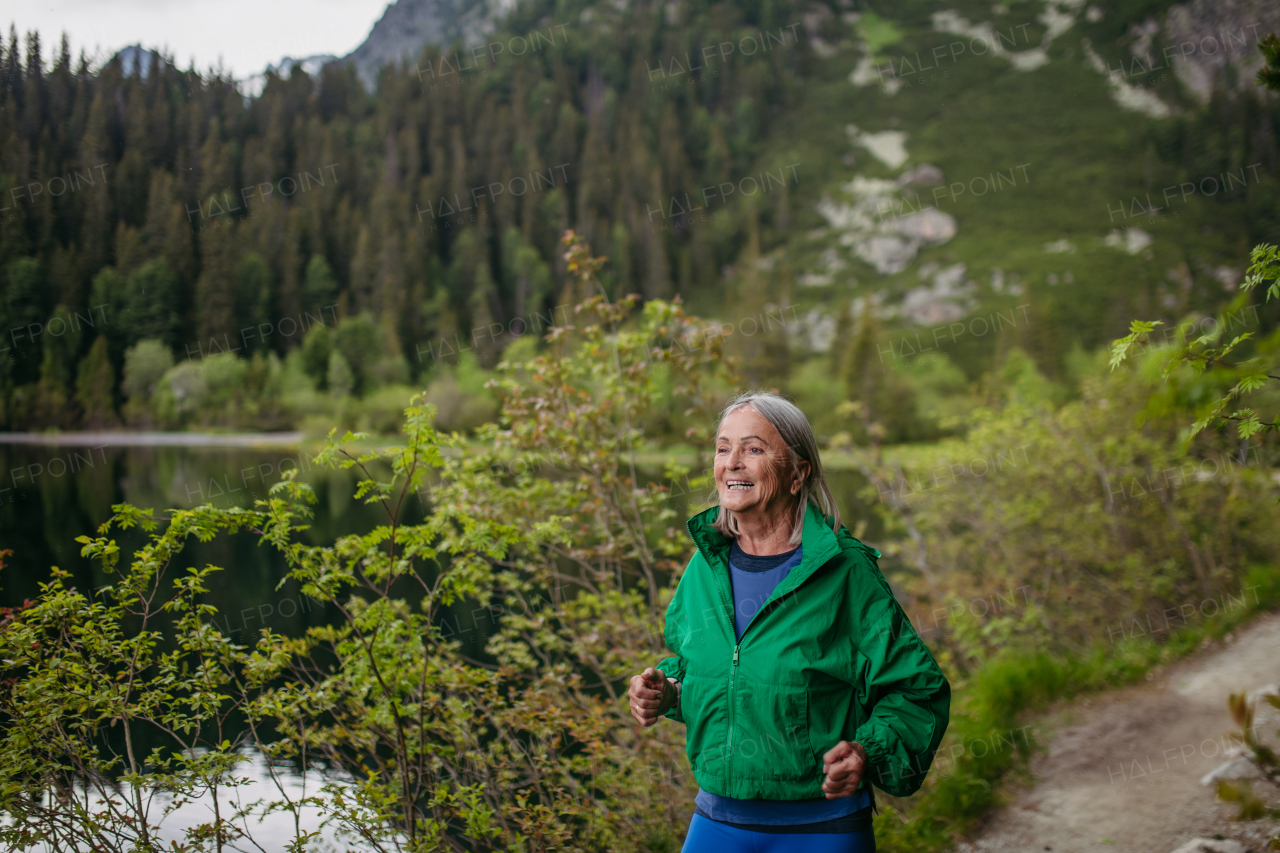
710 836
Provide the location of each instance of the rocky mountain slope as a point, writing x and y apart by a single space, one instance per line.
408 25
979 158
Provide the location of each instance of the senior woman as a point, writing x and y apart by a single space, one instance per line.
798 677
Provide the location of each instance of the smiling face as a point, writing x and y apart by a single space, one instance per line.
753 466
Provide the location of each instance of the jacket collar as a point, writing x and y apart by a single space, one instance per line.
818 541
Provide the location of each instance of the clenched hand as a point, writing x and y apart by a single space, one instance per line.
650 695
845 764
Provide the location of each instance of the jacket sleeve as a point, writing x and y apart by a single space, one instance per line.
909 697
675 632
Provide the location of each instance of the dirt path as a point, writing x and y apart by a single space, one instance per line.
1122 771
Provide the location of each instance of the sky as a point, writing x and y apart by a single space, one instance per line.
246 34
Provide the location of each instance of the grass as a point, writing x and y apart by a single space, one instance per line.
994 704
878 32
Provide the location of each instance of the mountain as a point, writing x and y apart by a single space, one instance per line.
405 28
252 86
978 179
135 57
409 25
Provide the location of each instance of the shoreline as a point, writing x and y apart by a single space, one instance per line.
120 438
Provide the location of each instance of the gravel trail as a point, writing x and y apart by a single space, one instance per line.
1122 771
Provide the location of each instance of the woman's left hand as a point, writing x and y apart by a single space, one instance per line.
845 763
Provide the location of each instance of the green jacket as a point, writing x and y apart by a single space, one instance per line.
830 656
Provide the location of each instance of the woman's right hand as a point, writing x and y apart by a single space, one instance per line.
651 696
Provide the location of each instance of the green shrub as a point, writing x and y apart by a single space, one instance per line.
208 391
460 397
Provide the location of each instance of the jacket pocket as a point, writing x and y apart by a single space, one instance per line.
703 704
771 732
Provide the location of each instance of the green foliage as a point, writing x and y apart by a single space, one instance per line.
373 237
880 387
23 311
359 340
252 299
316 348
1207 353
542 523
94 380
461 397
144 366
1018 381
877 32
1264 267
320 288
1269 74
108 292
339 378
211 390
151 304
1071 511
59 340
1035 548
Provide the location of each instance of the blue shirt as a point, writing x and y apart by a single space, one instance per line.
753 580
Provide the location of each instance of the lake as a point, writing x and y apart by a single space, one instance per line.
52 494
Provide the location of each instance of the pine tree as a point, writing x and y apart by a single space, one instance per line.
320 289
24 316
95 380
215 297
60 342
151 297
253 292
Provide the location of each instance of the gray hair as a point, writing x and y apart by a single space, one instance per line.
798 436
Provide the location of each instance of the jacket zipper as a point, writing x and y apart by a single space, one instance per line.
733 677
733 673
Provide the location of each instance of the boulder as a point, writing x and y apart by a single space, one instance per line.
1237 768
924 175
1210 845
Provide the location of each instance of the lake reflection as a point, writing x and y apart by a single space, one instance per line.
52 494
258 827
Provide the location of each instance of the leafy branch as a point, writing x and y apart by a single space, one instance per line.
1206 355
